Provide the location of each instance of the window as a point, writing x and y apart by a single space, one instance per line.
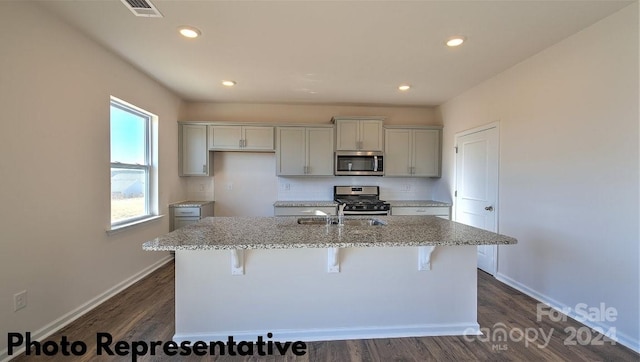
133 176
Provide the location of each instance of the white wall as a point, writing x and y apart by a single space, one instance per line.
303 113
568 168
54 161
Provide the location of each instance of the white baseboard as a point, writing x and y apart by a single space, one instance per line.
621 338
67 318
314 335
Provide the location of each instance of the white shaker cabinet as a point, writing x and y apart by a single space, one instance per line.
194 157
443 212
304 151
241 138
413 152
304 210
359 133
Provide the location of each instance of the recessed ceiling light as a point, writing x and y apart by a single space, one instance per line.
189 32
228 83
404 87
455 41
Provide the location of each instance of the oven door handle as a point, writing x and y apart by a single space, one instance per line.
364 213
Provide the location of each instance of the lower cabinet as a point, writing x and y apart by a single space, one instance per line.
439 211
185 215
304 210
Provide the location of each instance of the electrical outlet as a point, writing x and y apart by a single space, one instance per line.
19 300
200 187
229 186
287 187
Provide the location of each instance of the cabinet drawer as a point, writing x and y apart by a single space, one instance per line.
430 210
179 222
186 211
304 210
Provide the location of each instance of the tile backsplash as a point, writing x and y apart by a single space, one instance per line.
200 188
321 188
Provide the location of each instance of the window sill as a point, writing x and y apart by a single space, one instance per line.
122 227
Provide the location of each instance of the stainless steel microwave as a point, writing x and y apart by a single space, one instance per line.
359 163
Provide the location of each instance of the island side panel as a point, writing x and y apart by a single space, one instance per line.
378 293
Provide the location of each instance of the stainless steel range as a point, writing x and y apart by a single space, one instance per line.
360 200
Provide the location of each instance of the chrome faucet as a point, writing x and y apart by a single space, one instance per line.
341 214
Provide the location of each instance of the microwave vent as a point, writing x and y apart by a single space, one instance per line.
142 8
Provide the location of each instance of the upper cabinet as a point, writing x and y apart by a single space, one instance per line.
194 158
241 138
304 151
413 152
359 133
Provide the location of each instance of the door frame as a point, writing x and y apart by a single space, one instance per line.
457 136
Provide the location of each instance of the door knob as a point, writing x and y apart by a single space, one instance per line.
489 208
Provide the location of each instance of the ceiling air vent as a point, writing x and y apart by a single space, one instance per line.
142 8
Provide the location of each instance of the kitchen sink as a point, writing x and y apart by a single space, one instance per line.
334 221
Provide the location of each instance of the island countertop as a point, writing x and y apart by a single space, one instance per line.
285 233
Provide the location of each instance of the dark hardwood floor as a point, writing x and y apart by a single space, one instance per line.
145 312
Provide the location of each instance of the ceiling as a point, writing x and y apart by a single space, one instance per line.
329 52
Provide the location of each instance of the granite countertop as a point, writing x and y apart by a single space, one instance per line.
418 203
328 203
286 233
190 203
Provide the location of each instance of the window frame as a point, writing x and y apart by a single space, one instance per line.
149 169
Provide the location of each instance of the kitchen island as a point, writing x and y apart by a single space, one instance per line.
310 279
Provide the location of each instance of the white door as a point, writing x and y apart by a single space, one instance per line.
477 186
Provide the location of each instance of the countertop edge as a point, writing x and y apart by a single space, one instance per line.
318 246
190 203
